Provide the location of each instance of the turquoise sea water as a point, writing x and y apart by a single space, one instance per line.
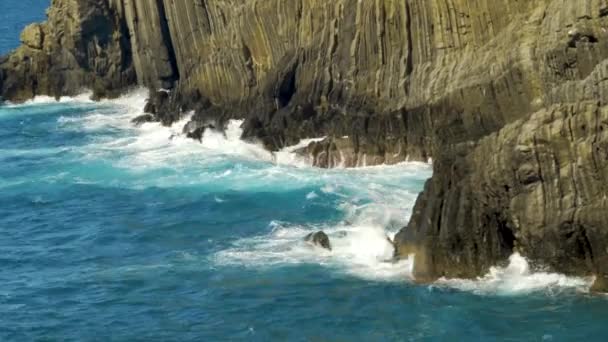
114 233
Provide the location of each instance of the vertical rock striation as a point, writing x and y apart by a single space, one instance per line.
521 161
153 51
508 98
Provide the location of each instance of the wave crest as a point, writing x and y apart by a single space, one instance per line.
516 279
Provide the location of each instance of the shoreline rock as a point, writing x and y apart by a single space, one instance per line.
319 239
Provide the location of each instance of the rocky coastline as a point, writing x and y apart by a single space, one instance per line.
509 99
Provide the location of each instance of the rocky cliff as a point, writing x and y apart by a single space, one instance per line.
508 97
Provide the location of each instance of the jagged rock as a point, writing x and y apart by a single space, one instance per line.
197 134
196 129
318 239
600 284
539 187
157 102
83 44
33 36
142 119
508 98
390 241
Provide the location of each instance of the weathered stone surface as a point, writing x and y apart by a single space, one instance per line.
33 36
521 166
537 187
153 52
82 45
508 98
143 119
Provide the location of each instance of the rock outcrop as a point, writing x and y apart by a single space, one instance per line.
520 157
507 97
319 239
82 45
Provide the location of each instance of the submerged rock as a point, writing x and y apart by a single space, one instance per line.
600 284
142 119
342 234
388 238
318 239
195 129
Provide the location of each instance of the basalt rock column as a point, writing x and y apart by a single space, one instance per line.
522 165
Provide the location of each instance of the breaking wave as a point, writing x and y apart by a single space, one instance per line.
374 203
39 100
517 278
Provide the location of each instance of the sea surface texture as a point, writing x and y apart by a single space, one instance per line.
110 232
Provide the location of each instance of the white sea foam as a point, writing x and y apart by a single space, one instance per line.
375 202
11 152
312 195
288 155
154 145
111 113
359 250
85 97
229 142
155 137
517 278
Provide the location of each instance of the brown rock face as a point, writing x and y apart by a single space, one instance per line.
508 98
81 46
32 36
522 164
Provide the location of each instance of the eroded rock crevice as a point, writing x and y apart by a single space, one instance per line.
168 80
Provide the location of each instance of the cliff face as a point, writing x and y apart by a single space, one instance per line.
520 153
508 98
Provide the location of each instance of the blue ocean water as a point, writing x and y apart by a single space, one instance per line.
112 232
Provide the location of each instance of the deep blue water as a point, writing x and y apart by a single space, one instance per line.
110 232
